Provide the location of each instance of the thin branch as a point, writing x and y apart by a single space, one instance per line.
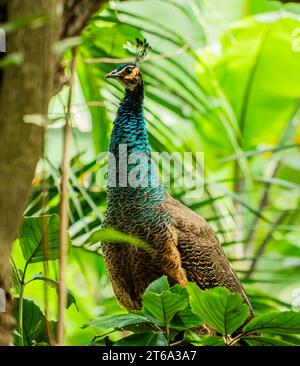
64 219
262 204
45 243
103 335
16 269
76 15
20 312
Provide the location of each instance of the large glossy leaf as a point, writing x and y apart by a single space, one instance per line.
287 322
262 92
219 308
31 238
116 321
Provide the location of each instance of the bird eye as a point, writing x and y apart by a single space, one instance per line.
128 70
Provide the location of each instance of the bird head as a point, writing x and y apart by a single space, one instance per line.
128 75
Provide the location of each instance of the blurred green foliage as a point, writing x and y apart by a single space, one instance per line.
222 78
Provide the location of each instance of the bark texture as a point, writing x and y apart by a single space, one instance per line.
25 92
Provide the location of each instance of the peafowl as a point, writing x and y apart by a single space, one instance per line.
182 244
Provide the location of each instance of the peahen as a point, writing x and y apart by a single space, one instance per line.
182 244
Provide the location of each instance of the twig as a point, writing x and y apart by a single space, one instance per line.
103 335
20 311
16 269
177 343
45 241
64 219
262 204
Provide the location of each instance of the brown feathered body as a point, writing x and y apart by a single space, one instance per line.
186 249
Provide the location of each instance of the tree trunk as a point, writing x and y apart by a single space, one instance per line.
25 92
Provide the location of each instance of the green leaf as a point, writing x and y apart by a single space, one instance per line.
34 323
286 322
162 307
31 238
71 300
219 308
112 235
191 337
54 284
16 333
203 340
25 21
159 285
12 60
265 341
185 319
211 340
182 291
146 339
16 276
60 47
139 328
291 338
118 321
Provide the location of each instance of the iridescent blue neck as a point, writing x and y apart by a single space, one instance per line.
129 125
130 153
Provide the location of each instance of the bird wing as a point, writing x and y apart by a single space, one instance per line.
201 254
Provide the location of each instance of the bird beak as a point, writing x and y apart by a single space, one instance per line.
113 74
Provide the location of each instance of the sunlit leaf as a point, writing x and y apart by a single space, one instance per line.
162 306
287 322
116 321
219 308
31 238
